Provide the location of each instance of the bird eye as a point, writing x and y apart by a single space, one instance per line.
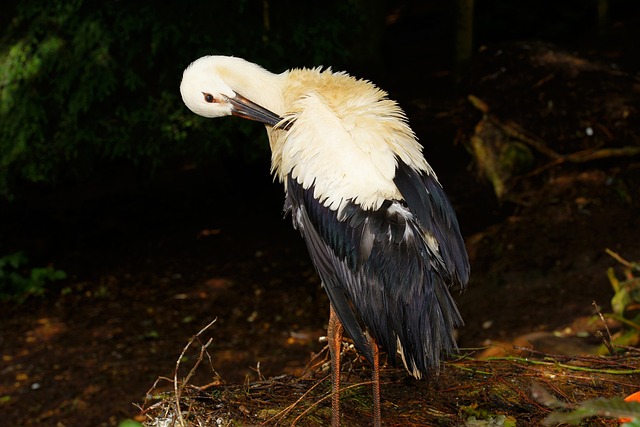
209 98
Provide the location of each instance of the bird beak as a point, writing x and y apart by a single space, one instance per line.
247 109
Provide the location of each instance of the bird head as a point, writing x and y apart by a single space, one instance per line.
210 84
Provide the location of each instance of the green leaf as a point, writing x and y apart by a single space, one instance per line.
621 300
614 408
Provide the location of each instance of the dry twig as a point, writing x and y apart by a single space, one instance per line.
177 390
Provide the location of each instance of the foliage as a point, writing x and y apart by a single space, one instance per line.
18 282
614 407
626 302
85 83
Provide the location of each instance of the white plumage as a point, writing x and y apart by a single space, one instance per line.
378 226
347 149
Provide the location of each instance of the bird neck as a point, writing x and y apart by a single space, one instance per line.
259 85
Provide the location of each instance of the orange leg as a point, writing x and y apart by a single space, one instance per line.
376 384
334 335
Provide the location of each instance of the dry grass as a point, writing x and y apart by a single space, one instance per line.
510 390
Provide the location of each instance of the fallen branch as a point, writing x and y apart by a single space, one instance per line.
514 130
617 257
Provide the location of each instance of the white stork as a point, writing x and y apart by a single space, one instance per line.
378 226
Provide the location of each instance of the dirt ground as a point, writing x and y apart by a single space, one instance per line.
149 266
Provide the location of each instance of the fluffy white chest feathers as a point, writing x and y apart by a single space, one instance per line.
344 140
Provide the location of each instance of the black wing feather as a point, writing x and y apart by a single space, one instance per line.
379 271
427 200
327 246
